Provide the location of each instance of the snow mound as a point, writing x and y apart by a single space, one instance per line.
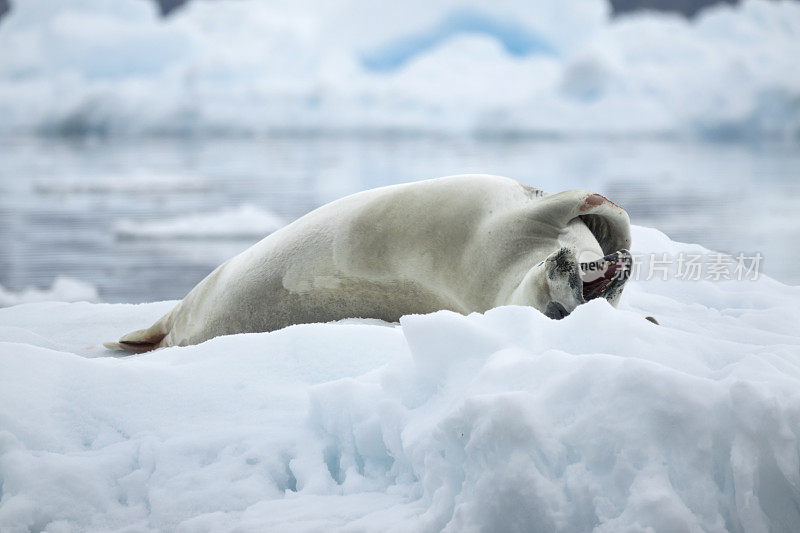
64 289
505 421
232 68
243 222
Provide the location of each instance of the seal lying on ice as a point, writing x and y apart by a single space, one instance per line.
464 243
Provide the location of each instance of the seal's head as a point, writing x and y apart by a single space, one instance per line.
589 239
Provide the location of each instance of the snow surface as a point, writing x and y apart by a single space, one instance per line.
63 289
506 421
243 222
531 66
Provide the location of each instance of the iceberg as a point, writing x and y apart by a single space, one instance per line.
243 222
448 67
63 289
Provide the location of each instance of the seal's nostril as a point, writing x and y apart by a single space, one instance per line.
556 311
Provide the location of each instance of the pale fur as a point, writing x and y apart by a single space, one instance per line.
465 243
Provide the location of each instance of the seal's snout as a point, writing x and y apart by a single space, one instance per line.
573 282
556 311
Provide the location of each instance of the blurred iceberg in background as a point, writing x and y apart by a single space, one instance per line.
539 68
243 222
63 289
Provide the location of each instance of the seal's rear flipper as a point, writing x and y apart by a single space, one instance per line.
130 347
143 340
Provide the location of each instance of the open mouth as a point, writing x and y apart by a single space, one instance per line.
601 278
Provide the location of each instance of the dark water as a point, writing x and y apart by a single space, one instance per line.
60 200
